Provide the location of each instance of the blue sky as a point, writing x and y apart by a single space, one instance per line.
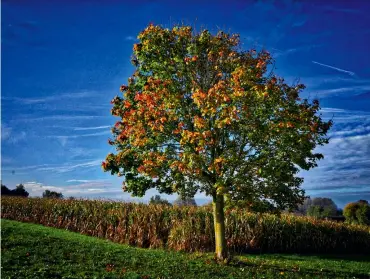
62 63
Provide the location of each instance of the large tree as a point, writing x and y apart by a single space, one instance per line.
200 114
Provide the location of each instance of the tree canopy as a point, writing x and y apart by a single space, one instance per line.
201 114
181 201
357 212
19 191
319 207
52 194
158 200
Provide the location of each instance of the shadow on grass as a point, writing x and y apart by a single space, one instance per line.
300 270
349 257
359 257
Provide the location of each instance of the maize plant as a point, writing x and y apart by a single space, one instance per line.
188 228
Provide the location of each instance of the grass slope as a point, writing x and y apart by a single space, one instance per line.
34 251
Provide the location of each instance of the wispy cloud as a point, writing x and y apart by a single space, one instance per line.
79 180
345 168
52 98
95 187
6 131
20 136
335 68
6 160
279 52
91 128
70 167
8 135
82 135
357 130
338 9
352 90
130 38
84 183
57 117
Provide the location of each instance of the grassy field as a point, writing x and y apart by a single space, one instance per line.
34 251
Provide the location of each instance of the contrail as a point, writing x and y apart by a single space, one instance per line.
338 69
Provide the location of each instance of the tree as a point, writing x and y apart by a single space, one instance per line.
363 201
357 212
158 200
5 191
200 114
322 207
20 191
302 208
52 194
185 201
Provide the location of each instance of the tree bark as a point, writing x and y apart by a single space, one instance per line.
219 225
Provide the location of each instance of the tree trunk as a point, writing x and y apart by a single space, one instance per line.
219 224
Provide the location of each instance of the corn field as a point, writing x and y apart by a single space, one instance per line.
188 228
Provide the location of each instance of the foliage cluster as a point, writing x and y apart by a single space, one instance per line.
19 191
189 228
158 200
357 212
52 194
319 207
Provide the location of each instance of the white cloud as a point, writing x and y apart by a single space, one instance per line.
293 50
335 68
7 134
6 131
27 118
130 38
52 98
352 90
79 190
15 138
347 156
86 180
91 128
357 130
70 167
82 135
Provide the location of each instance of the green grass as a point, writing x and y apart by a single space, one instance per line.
34 251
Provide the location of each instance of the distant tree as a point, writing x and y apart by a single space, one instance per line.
20 191
322 207
158 200
5 191
314 211
181 201
260 206
302 208
363 201
52 194
357 213
340 212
